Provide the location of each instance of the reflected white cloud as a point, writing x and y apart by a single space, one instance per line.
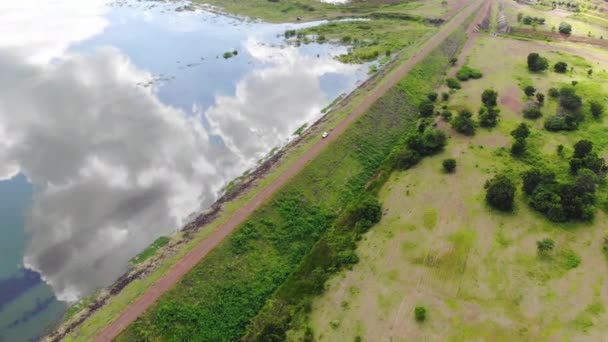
118 168
270 103
43 30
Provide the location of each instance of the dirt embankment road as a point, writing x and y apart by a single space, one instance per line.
190 260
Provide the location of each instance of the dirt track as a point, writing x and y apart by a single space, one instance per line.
206 246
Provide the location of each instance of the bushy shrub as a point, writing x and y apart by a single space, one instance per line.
545 246
554 92
488 116
453 83
500 193
560 67
522 131
449 165
406 159
529 91
426 108
565 28
518 148
420 313
540 98
532 113
445 96
446 115
489 97
466 72
556 123
432 96
463 123
596 108
428 142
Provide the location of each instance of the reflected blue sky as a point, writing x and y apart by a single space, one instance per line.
129 120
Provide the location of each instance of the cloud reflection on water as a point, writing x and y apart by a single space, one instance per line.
118 168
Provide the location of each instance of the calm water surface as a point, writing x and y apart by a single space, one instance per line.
120 119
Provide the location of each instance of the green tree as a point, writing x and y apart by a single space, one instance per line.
537 63
565 28
529 91
500 193
521 132
532 113
432 96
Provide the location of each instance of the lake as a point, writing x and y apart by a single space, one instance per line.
118 120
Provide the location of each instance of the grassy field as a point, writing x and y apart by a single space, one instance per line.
306 10
477 270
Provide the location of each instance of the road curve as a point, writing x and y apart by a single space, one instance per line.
133 311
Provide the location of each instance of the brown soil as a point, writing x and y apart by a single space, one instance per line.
511 100
137 308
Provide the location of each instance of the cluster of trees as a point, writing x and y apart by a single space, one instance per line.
533 111
565 201
570 116
488 113
528 20
418 145
464 123
466 72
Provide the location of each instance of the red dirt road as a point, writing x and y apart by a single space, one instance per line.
190 260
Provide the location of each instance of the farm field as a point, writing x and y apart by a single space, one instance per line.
476 270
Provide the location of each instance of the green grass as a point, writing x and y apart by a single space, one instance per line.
151 250
369 39
306 10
